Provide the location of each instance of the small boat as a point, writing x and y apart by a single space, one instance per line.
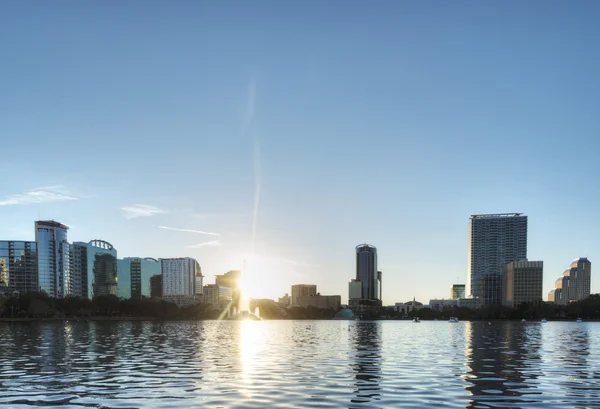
523 320
544 320
579 320
417 320
453 319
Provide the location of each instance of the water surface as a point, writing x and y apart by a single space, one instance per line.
300 364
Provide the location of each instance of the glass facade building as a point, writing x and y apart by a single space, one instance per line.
54 265
134 276
98 269
494 241
522 282
18 267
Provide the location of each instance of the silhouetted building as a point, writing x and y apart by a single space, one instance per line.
18 266
575 283
522 282
302 290
494 241
54 265
457 291
156 286
329 302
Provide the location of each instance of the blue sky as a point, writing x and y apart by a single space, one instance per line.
295 131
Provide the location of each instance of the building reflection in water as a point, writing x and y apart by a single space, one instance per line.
365 345
503 363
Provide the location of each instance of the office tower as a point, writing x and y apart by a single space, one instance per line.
216 294
79 270
522 282
457 291
156 286
134 276
302 290
54 269
494 241
575 283
368 276
95 265
18 267
179 280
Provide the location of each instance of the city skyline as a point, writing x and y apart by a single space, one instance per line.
242 138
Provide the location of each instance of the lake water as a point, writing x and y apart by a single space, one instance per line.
300 364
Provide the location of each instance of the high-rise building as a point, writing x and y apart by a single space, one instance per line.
179 280
134 276
54 261
494 241
326 302
369 277
457 291
302 290
18 266
575 283
156 286
95 264
522 282
200 285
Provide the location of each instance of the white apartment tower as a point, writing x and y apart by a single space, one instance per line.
494 241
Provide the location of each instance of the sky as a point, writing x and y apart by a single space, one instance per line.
275 136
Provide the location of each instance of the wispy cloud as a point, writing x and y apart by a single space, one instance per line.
189 230
46 194
206 243
138 210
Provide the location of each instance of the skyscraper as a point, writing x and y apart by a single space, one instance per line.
494 241
522 282
18 266
179 280
54 270
94 264
368 276
575 283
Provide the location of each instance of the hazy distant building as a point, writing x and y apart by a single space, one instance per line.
329 302
522 282
18 266
97 270
494 241
575 283
285 300
54 269
199 285
369 277
440 304
302 290
134 276
231 279
457 291
216 294
179 280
